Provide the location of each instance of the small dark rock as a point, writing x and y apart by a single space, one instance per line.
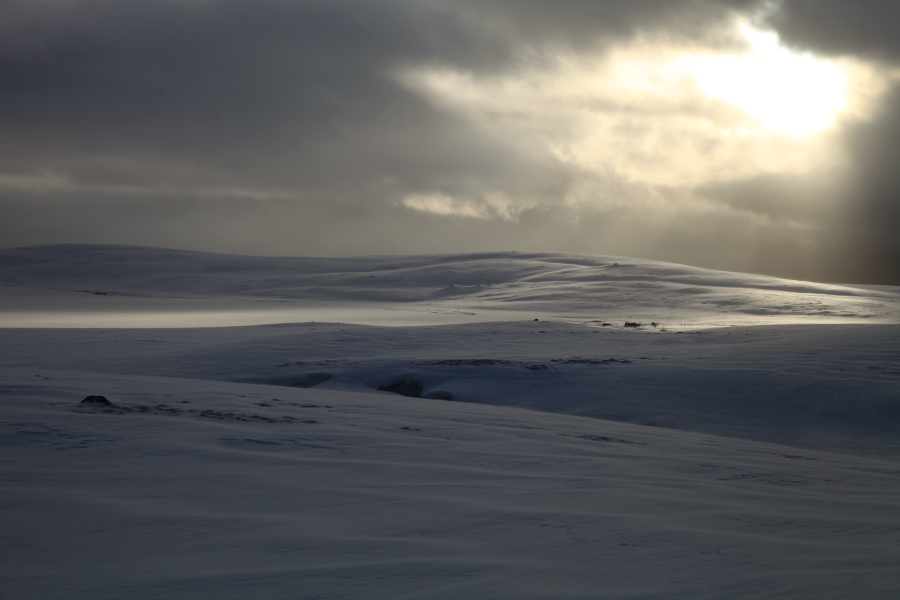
632 324
96 400
405 387
439 396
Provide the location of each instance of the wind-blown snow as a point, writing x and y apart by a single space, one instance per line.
122 286
755 456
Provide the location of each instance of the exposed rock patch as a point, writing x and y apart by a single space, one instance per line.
96 401
439 395
404 386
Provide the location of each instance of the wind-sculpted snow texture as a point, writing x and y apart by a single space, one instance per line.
186 489
829 387
133 286
756 456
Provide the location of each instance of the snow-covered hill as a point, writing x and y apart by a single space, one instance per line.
123 286
691 433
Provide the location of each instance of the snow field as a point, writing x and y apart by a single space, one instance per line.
385 496
573 427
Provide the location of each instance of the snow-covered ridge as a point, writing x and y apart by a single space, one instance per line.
349 458
427 289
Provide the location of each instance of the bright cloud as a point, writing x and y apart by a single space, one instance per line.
494 204
442 204
666 115
785 92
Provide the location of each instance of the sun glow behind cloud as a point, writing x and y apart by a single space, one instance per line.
659 113
784 91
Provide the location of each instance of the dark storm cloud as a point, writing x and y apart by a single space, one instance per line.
579 22
295 97
839 27
233 79
276 94
278 126
208 78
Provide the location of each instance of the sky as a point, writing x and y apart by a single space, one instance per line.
743 135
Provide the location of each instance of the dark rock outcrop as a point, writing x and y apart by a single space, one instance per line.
404 386
98 400
439 395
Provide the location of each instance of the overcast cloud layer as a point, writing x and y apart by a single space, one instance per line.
417 126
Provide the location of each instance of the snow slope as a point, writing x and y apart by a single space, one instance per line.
122 286
832 388
746 445
193 489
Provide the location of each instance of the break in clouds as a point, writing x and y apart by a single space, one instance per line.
742 135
